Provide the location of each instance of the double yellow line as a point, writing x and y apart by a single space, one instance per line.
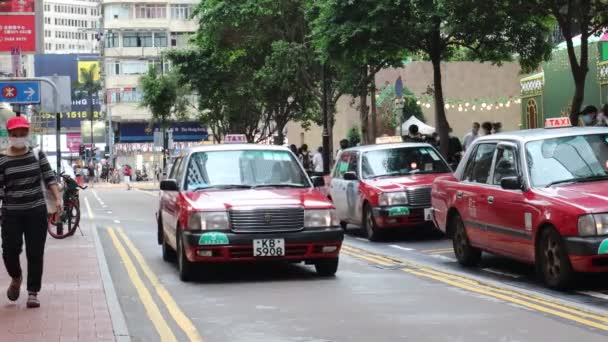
536 303
152 309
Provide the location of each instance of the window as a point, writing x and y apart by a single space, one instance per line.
130 39
134 67
353 165
151 11
145 39
160 39
174 168
342 165
478 168
112 40
181 12
506 164
244 168
402 161
179 39
566 159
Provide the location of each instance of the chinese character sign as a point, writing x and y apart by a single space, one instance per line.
17 31
17 6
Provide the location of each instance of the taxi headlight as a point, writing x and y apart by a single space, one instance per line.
209 220
392 198
593 224
320 218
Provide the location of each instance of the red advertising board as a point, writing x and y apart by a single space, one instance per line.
73 141
17 6
18 31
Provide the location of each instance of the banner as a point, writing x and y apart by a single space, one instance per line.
69 65
182 131
17 6
18 31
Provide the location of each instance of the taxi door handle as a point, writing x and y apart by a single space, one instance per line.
459 194
491 199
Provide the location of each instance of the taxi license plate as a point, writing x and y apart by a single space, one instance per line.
268 247
428 214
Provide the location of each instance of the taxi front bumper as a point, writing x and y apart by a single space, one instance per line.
305 245
384 219
588 254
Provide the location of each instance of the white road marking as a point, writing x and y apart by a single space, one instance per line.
97 197
401 248
442 257
148 193
362 239
89 211
116 221
595 294
512 275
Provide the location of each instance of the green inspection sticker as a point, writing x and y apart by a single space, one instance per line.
213 238
399 211
603 249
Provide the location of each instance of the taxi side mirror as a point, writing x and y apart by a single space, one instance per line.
317 181
350 176
168 185
511 183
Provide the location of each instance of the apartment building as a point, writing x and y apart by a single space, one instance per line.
71 26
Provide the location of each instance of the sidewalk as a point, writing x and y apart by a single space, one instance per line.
73 301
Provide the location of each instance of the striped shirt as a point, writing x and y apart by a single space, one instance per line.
20 176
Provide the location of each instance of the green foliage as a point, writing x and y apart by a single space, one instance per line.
89 85
353 136
392 113
163 95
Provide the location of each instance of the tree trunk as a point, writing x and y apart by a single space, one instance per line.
363 111
579 74
441 122
374 109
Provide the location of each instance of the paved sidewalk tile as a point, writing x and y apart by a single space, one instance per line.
73 301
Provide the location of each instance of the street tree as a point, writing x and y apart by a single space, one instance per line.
86 87
358 39
576 17
490 31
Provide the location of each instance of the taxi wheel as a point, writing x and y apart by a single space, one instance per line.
369 224
466 254
184 265
327 267
554 266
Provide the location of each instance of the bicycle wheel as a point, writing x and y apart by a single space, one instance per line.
69 220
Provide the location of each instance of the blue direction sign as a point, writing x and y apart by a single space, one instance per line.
25 92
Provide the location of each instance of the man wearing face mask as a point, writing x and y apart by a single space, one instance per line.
588 116
24 209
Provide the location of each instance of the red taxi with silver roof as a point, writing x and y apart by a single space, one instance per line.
245 202
386 186
538 196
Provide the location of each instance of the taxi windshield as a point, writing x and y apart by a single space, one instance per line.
567 159
402 161
244 169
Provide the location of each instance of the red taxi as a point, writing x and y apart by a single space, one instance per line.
224 203
539 196
386 186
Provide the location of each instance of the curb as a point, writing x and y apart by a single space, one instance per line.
119 325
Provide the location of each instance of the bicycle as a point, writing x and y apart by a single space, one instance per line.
70 219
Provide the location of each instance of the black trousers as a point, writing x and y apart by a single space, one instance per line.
32 225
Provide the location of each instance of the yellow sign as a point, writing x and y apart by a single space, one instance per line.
389 140
86 66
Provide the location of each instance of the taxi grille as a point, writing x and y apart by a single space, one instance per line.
266 220
419 197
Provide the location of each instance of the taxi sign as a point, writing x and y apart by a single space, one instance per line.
557 122
235 139
389 140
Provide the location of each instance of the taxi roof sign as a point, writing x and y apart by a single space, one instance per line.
235 139
558 122
389 140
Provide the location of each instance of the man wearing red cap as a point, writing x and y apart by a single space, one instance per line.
23 173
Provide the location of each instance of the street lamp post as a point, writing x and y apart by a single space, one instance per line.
325 105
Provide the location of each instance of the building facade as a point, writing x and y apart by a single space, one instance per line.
71 26
136 34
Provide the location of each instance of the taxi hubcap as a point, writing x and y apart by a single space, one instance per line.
552 258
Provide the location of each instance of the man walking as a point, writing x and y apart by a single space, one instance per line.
471 136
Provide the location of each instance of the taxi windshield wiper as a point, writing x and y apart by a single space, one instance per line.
394 173
579 180
280 185
222 186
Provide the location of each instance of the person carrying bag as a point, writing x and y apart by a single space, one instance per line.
25 175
